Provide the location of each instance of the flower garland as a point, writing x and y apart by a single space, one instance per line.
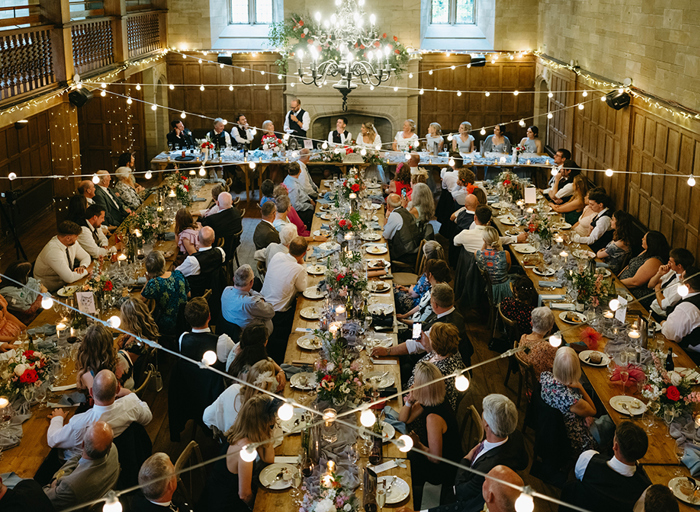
334 497
25 369
670 389
593 289
337 373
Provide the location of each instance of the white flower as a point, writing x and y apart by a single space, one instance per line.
20 369
347 507
330 367
675 378
325 506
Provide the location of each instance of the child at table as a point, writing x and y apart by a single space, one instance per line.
267 190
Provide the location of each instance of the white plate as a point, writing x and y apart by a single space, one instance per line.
378 286
309 341
67 291
293 423
378 264
635 406
547 272
381 309
379 339
311 313
329 246
583 254
513 232
321 232
316 270
583 356
326 216
313 293
268 476
506 220
375 206
524 248
377 249
688 373
674 484
371 237
305 381
605 272
399 489
327 183
563 225
376 379
580 316
388 432
375 218
498 205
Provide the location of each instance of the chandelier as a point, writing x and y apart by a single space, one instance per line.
348 46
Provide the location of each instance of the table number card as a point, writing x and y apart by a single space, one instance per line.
621 313
530 195
86 302
308 144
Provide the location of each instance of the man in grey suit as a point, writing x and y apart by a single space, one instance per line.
90 476
115 210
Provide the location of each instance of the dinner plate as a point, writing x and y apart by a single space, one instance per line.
375 206
546 273
371 237
689 373
398 491
326 216
378 339
625 294
67 291
321 232
326 183
309 341
574 314
377 249
388 432
313 293
524 248
329 246
311 313
584 355
635 407
379 379
316 270
375 218
684 488
378 264
498 205
513 232
378 286
605 272
563 225
305 381
277 476
507 220
583 254
381 309
292 424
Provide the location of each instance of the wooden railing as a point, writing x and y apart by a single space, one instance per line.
20 15
26 61
93 45
138 5
143 33
80 9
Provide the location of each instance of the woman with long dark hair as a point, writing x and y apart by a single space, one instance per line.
615 252
636 275
252 349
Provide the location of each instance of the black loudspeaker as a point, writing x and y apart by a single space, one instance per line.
617 100
222 58
477 62
79 97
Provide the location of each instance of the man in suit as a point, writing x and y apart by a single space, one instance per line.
115 210
90 476
464 217
158 485
502 445
26 495
226 224
265 233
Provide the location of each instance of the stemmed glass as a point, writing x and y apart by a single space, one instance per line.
668 419
624 377
652 409
680 451
296 484
381 496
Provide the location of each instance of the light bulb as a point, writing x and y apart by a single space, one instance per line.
614 305
584 94
202 171
683 290
129 101
46 302
267 87
183 115
524 503
580 106
404 443
112 504
199 61
550 115
201 87
193 172
104 85
430 72
103 94
449 138
279 77
609 172
407 156
138 87
461 382
515 93
483 131
367 418
286 136
555 339
691 181
522 123
230 87
286 411
451 162
396 89
363 152
555 171
172 87
254 130
324 145
148 175
459 93
317 17
248 453
421 91
550 95
225 122
251 165
114 321
209 357
487 93
154 107
410 75
12 176
452 68
372 19
95 179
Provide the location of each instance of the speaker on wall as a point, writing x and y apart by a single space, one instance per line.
79 97
617 100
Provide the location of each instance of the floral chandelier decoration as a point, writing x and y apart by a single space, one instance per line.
346 45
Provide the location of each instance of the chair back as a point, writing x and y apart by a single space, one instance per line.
223 326
150 372
468 283
486 278
469 423
428 232
190 483
262 270
134 447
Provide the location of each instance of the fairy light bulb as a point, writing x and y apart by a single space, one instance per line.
183 115
154 107
396 89
209 357
367 418
286 136
550 115
129 101
554 171
522 123
430 72
171 87
324 145
112 503
199 61
279 77
580 106
230 88
46 302
193 172
138 87
461 382
614 305
286 411
609 173
555 339
459 93
404 443
584 94
487 94
103 94
451 162
267 87
453 67
95 179
450 138
550 95
104 85
691 181
410 75
515 93
12 176
221 66
422 91
148 175
683 290
483 131
363 152
201 87
525 502
114 321
202 171
407 156
251 165
248 453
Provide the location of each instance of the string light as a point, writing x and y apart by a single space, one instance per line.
584 93
487 93
522 123
430 72
691 181
95 179
404 443
461 382
138 87
114 321
171 87
525 502
209 357
482 131
602 98
202 171
230 87
550 95
421 91
112 503
201 87
410 75
614 305
286 411
459 93
555 339
46 301
148 175
154 107
683 290
550 115
515 93
367 418
248 453
103 94
129 101
12 176
580 106
183 115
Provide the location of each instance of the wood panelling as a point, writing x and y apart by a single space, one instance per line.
27 151
560 127
500 79
256 103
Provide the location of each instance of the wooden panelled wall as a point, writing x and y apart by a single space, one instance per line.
109 126
256 103
502 106
638 139
26 151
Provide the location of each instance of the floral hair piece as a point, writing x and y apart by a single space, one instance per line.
265 380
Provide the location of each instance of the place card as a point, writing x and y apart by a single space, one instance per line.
304 329
384 361
621 313
308 144
63 388
281 459
531 195
567 306
86 302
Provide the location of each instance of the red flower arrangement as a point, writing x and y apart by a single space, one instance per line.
206 145
29 376
108 284
591 337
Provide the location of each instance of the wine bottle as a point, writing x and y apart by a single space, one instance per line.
669 361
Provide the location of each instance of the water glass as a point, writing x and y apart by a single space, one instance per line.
668 419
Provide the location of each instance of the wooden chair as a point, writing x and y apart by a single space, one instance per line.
489 294
469 423
403 274
191 483
262 270
236 245
526 375
150 372
513 333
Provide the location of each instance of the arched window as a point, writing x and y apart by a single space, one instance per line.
452 12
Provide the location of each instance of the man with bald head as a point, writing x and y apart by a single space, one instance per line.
464 217
226 224
118 413
115 210
89 474
401 231
87 190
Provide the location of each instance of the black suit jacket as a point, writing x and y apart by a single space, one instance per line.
225 224
455 318
137 502
27 495
265 234
114 215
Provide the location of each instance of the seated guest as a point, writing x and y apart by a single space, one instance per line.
180 137
574 206
561 185
371 140
10 327
657 498
464 217
158 483
449 175
136 320
292 216
541 355
198 318
301 201
77 206
637 274
421 205
519 307
267 190
24 299
91 237
87 190
97 352
282 206
119 413
619 247
186 233
62 261
218 189
502 445
231 486
128 190
115 209
407 299
90 473
309 186
666 281
583 225
480 195
226 224
218 136
168 290
438 272
241 305
242 133
464 141
604 484
340 136
532 142
401 184
251 349
491 258
26 494
434 142
562 390
204 268
406 138
601 225
427 404
286 235
285 277
465 185
473 240
683 322
401 231
498 142
265 232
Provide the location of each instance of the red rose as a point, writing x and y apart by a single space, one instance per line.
672 393
506 182
345 183
342 223
186 188
396 38
362 46
303 35
384 35
348 151
301 23
355 187
28 354
339 277
108 286
531 228
377 44
396 52
349 225
326 377
184 177
29 376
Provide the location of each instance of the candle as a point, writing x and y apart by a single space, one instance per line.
528 162
4 402
260 160
634 334
340 310
331 465
564 254
503 159
559 240
430 161
608 314
352 195
72 332
348 236
546 162
327 480
333 328
530 210
245 159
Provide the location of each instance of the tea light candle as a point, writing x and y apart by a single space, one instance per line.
327 480
503 159
72 332
4 402
340 311
520 203
333 328
260 160
331 466
608 314
245 159
559 240
530 210
564 254
60 327
634 334
352 195
430 161
348 236
546 162
286 160
528 162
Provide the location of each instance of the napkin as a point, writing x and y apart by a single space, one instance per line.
384 361
74 398
281 459
290 370
691 460
550 284
562 305
386 466
304 329
552 296
63 388
392 418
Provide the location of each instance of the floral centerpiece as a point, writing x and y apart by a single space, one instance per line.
332 496
270 142
352 185
373 158
179 183
346 276
337 372
509 183
670 390
353 223
541 225
144 225
25 371
593 289
207 146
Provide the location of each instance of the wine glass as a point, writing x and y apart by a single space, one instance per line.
652 409
624 377
296 484
668 419
381 496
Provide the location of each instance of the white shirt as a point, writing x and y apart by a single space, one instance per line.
211 211
563 192
684 319
190 267
460 195
299 198
372 145
394 222
670 293
223 412
51 267
224 343
603 224
343 139
473 239
278 224
305 121
122 413
614 464
401 143
449 179
284 278
267 253
87 242
488 445
308 184
249 135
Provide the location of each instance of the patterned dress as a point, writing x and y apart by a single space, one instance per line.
641 291
615 256
519 311
404 302
447 366
496 264
128 195
169 293
541 355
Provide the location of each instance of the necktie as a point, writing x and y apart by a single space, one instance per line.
478 450
70 260
95 237
670 281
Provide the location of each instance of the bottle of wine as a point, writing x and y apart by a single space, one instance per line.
669 361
